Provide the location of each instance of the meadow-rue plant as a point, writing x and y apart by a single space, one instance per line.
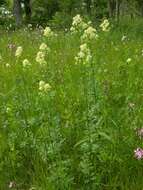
40 58
76 20
48 33
78 25
44 87
84 56
62 124
19 51
105 25
44 47
89 34
84 47
26 63
41 84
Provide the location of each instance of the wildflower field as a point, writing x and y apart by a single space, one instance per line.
71 108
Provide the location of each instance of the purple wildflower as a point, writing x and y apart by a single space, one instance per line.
138 153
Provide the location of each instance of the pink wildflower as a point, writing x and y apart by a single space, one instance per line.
138 153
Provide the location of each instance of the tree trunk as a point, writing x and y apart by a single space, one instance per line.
142 10
17 12
140 3
117 10
28 11
88 6
111 8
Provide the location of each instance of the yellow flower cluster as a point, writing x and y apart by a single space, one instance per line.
19 51
44 87
105 25
84 56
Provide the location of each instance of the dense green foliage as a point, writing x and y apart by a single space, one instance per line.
80 134
59 13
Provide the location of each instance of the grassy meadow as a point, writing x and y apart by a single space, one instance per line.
69 120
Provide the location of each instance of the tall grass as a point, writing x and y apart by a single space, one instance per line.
80 134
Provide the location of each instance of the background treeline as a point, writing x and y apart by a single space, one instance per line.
60 12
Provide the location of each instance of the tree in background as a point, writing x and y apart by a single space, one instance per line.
17 11
140 6
28 10
2 2
42 11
